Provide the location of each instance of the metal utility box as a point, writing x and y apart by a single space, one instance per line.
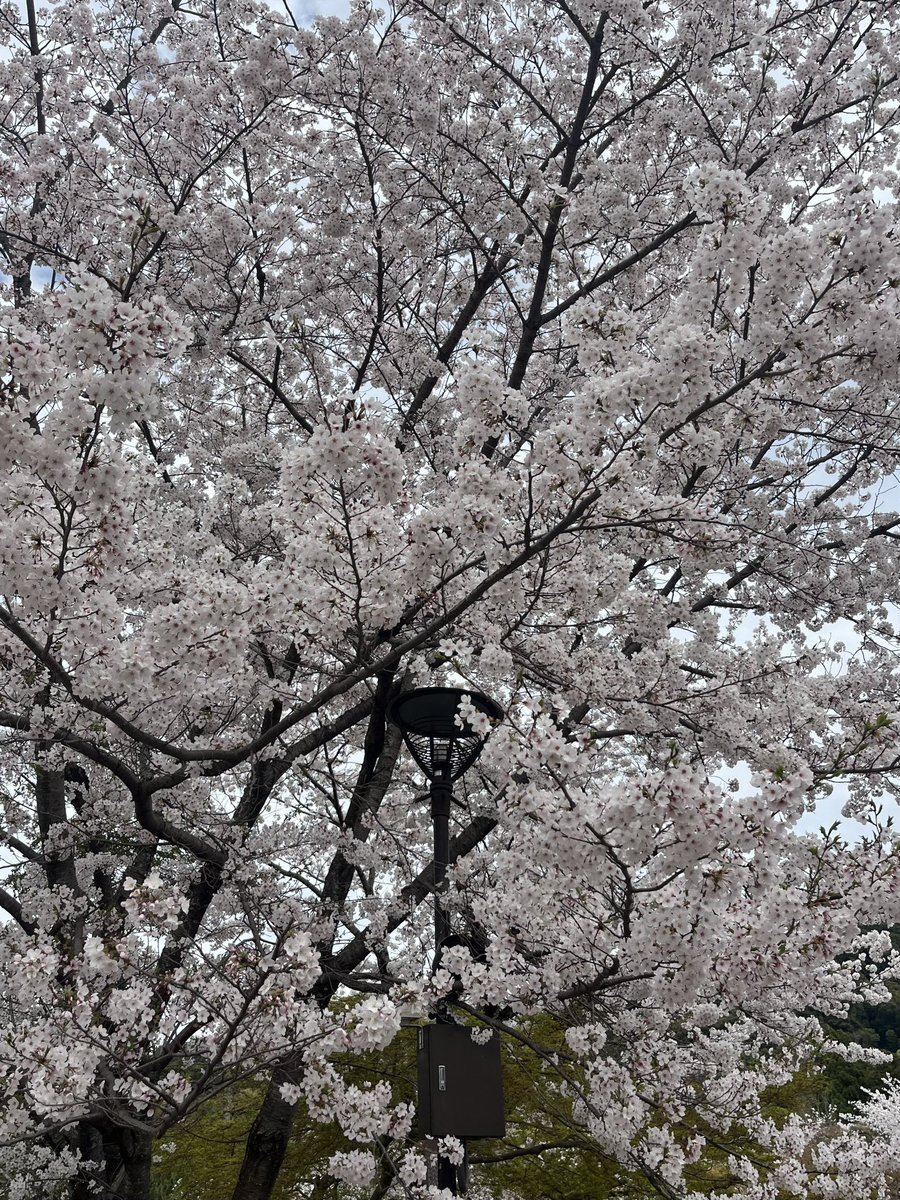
460 1084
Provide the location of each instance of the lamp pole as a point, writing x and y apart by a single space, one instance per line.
444 746
441 795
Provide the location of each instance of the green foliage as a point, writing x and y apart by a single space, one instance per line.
546 1154
842 1083
201 1158
869 1025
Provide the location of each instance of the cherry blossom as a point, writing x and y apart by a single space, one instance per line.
548 352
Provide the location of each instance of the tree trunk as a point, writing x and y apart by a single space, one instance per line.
137 1159
59 864
115 1162
88 1140
268 1140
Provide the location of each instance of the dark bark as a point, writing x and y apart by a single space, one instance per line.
268 1140
89 1141
59 864
102 1166
50 790
380 753
137 1160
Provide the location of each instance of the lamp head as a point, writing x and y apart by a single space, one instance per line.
442 744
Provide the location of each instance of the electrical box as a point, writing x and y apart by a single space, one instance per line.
460 1090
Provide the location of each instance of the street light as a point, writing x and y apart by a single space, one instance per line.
444 746
468 1087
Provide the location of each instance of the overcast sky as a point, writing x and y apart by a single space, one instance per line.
305 10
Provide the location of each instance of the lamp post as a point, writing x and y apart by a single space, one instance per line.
444 745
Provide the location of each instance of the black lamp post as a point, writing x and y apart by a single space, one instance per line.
444 746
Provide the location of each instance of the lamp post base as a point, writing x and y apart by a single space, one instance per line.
446 1174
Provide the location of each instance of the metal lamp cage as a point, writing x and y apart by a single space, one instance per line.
442 744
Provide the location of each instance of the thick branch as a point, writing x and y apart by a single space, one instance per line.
12 906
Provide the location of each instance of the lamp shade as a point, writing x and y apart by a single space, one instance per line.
442 744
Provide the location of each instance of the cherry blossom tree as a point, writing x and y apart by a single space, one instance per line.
548 348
